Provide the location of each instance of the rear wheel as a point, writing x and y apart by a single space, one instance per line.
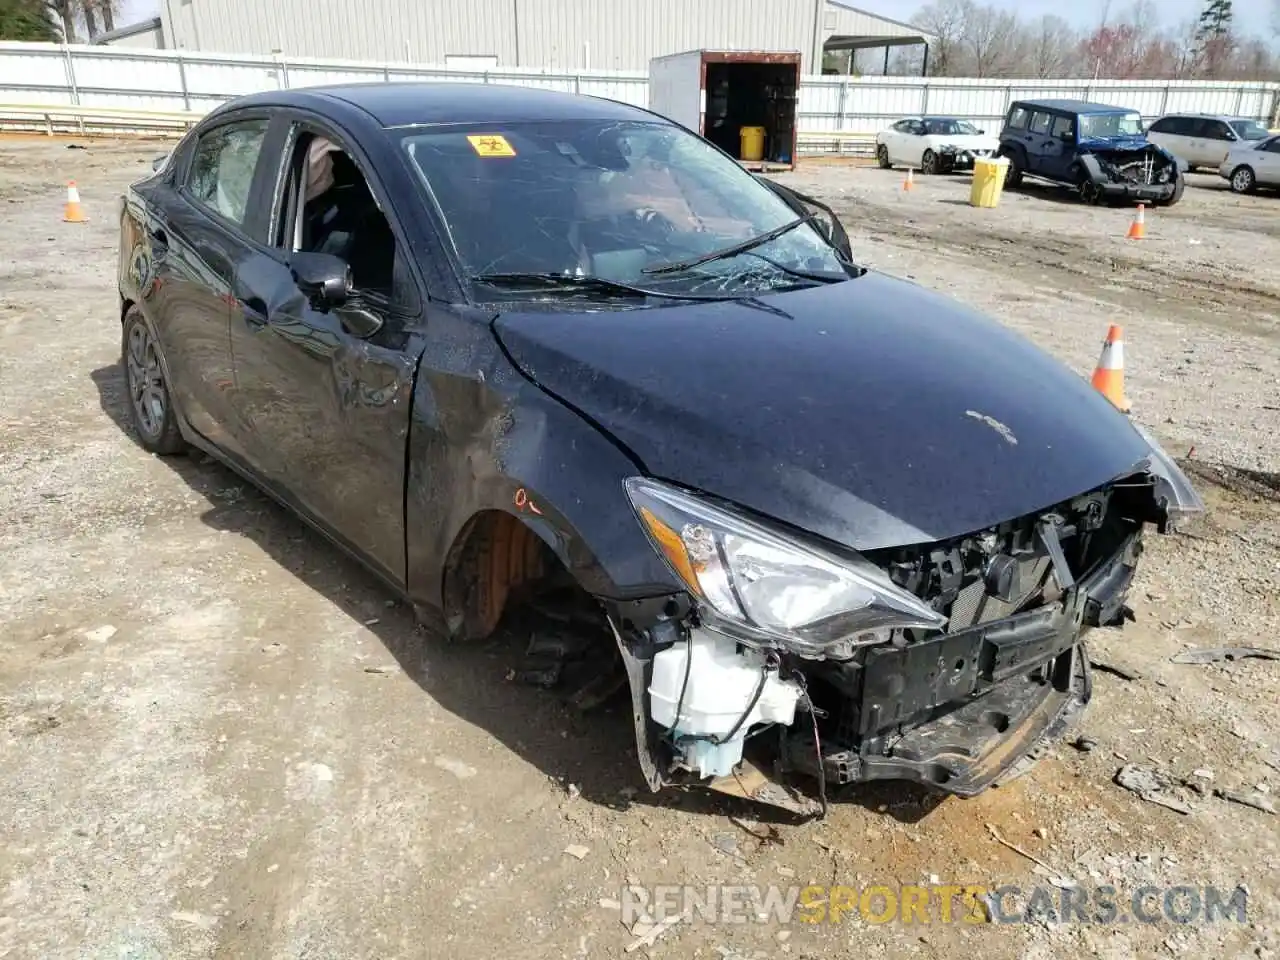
929 163
150 404
1243 180
882 157
1013 176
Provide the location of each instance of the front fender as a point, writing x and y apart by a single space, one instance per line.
482 439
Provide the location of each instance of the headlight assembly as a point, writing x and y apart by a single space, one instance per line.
1173 487
763 585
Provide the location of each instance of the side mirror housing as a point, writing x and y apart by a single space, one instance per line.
324 278
982 131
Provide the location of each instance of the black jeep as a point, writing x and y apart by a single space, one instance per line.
1100 150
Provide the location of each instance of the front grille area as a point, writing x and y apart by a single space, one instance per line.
974 605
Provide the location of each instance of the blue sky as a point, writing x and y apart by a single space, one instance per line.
1251 15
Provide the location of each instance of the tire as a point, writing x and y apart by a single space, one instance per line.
1178 189
882 157
1090 195
929 163
151 408
1013 176
1243 179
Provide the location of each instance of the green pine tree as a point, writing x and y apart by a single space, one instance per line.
1214 38
28 20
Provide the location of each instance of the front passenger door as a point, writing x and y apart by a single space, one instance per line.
325 387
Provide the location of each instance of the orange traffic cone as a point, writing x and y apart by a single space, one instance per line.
1138 229
1108 375
910 182
73 213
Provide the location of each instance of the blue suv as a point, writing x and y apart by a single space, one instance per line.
1100 150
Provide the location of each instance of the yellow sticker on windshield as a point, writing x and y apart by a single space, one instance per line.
490 145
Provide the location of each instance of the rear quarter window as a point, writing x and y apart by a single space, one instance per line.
223 166
1163 125
1040 122
1018 117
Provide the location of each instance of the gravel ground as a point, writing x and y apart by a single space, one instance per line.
218 739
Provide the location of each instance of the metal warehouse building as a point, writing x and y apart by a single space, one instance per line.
579 35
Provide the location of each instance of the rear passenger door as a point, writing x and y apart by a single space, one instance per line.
1040 147
197 242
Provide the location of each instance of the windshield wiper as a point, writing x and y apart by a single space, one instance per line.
570 281
723 254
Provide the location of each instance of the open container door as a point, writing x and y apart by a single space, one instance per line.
721 93
754 91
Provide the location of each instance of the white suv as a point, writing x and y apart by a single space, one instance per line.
1201 139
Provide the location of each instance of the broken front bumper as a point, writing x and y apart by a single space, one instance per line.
958 712
1138 192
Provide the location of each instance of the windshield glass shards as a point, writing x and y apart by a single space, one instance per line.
646 205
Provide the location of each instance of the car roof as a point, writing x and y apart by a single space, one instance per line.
411 103
1074 106
1227 117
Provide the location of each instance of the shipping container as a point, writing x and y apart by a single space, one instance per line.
742 101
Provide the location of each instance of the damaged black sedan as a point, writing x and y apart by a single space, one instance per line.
529 355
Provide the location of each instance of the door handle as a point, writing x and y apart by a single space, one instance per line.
254 310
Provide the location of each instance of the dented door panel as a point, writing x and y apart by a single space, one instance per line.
323 414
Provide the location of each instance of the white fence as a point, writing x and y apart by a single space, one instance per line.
168 80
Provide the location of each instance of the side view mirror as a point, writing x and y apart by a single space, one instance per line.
982 131
324 278
158 162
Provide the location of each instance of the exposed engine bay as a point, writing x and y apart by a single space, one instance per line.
1146 173
958 703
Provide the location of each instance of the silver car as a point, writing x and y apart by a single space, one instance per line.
1251 165
1204 140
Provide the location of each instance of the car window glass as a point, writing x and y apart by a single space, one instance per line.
1249 129
1273 145
222 168
1218 130
1040 122
1018 118
609 199
1165 125
328 207
1063 125
902 126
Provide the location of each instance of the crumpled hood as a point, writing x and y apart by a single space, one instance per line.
875 413
1116 143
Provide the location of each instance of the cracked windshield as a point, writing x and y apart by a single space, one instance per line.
613 210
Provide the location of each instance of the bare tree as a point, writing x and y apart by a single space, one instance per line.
990 35
945 20
1052 46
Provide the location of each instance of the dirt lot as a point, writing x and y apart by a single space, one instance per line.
218 739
